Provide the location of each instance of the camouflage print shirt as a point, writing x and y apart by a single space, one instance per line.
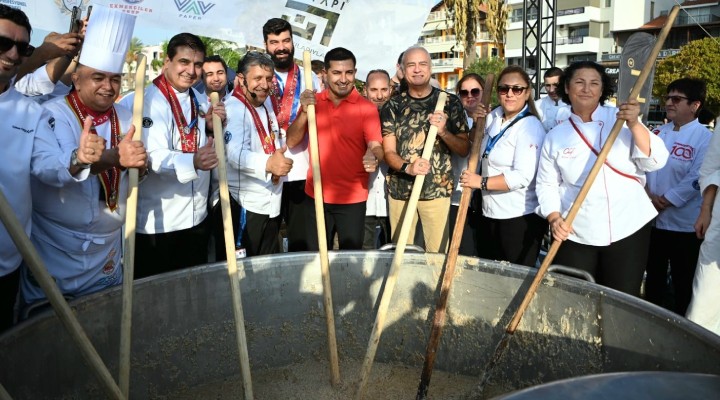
406 118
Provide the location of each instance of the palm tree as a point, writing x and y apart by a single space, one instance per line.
136 46
496 22
466 21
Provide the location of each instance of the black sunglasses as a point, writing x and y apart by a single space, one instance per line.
517 90
474 92
675 99
25 49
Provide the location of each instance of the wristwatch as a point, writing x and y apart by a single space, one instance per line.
404 167
75 162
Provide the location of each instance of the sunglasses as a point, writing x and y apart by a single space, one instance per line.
24 49
473 92
517 90
675 99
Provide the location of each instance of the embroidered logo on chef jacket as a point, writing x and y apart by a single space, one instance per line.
696 185
227 137
568 152
682 152
147 122
23 129
51 123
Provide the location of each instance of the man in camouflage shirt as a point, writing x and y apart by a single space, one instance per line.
406 121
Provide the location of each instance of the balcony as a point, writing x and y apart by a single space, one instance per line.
446 64
437 40
577 44
570 40
693 19
437 16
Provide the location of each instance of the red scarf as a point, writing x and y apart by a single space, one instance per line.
268 141
282 105
110 178
188 132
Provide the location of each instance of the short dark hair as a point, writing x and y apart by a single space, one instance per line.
275 26
339 54
253 58
693 89
16 16
400 58
216 58
377 71
184 39
552 72
569 73
467 76
317 66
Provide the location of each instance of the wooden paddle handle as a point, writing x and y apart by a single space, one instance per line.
593 172
410 209
130 229
451 260
229 236
321 232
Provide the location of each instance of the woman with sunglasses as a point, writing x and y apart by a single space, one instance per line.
508 228
610 235
675 193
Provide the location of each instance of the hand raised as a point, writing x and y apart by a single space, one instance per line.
132 152
91 145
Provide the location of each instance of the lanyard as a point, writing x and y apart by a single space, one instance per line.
492 141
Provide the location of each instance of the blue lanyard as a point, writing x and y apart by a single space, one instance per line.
241 228
296 98
492 141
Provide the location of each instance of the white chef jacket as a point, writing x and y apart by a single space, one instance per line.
678 179
36 83
548 111
174 195
377 203
515 156
616 206
299 154
249 184
28 149
75 233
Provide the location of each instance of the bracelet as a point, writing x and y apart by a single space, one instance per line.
483 184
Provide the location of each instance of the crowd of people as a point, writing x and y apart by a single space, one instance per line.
70 145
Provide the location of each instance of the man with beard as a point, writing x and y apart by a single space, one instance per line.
215 77
29 149
288 84
349 140
406 119
549 105
172 210
257 166
377 90
77 227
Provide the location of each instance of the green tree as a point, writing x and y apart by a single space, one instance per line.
483 67
466 21
698 59
135 48
496 22
223 48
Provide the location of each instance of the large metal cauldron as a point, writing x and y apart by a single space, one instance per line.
183 333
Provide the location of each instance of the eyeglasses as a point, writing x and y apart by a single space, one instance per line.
675 99
517 90
473 92
24 49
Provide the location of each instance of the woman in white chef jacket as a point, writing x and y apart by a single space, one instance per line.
610 235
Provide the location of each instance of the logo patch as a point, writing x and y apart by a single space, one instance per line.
23 129
147 122
228 137
51 123
696 185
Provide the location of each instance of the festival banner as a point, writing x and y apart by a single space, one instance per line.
376 31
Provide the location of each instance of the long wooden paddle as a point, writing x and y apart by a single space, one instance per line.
130 228
398 258
451 260
230 252
576 206
63 311
321 232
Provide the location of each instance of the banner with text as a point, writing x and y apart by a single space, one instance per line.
376 31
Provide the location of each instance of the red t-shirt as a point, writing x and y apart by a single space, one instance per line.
343 135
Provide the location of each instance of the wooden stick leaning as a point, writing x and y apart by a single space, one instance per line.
130 228
572 213
62 309
410 209
230 253
451 260
322 234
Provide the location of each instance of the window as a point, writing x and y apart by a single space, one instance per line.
608 3
579 31
517 14
581 57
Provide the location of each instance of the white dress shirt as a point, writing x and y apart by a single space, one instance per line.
616 206
548 111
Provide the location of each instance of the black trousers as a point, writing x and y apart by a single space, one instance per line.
165 252
218 230
293 212
516 240
681 250
9 285
261 234
468 242
347 220
619 265
371 240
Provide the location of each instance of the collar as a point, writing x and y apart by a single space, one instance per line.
352 98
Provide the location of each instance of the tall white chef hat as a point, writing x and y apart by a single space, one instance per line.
107 39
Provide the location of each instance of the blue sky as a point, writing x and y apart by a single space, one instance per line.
148 35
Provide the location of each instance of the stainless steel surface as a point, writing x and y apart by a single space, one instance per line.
183 332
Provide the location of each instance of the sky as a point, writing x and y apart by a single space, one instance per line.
147 34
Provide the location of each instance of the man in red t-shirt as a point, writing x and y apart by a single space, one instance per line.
350 146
